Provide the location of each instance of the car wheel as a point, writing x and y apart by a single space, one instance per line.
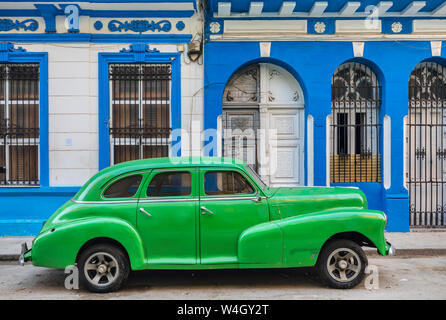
341 264
103 268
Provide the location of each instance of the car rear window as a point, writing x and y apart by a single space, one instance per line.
170 184
124 188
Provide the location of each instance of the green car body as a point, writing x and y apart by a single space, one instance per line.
268 228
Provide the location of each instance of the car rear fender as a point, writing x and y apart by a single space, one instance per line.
59 247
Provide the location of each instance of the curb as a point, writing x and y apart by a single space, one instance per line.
370 252
9 257
427 252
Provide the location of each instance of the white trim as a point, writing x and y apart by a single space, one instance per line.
265 49
318 9
429 26
350 8
224 9
358 49
436 47
327 148
287 8
310 150
387 151
334 38
383 7
256 27
406 156
255 9
441 10
413 8
358 26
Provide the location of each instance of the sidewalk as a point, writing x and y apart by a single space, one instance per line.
413 243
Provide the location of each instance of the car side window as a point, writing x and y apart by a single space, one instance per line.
226 182
170 184
124 188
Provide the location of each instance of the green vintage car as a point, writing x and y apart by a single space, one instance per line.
205 213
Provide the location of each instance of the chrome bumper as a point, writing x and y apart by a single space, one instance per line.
391 251
24 250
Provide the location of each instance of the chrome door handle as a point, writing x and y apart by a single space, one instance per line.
206 210
144 211
257 199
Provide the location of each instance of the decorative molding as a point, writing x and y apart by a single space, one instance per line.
397 27
320 27
265 27
358 49
140 26
436 48
98 25
255 9
319 9
287 8
48 13
139 50
214 27
26 25
265 49
180 25
6 48
429 26
358 26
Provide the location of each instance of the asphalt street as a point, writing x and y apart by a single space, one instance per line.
399 278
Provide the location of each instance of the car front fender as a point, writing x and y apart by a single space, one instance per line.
304 235
59 246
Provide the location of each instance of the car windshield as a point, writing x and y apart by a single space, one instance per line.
256 177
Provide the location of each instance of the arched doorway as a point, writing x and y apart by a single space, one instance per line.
263 123
427 145
355 103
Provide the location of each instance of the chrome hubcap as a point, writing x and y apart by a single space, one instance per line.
344 265
101 269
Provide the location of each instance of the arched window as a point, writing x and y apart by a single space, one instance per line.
355 102
427 145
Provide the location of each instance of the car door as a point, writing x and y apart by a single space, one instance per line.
166 217
229 204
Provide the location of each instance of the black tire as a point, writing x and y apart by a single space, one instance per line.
334 272
114 261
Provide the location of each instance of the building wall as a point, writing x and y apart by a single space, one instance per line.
313 65
73 97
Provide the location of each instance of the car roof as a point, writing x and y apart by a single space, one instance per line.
91 190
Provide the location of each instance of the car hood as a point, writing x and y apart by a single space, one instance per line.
300 200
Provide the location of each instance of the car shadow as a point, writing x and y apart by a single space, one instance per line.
222 278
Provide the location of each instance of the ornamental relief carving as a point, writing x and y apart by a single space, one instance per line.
140 26
25 25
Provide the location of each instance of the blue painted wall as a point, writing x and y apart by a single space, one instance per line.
313 64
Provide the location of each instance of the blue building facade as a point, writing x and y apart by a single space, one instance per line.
313 41
311 93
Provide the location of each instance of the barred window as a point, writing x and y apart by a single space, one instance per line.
140 123
19 124
355 125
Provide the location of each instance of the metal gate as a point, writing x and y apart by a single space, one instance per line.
240 135
427 146
19 124
140 122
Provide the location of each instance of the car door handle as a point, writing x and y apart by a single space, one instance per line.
144 211
206 210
